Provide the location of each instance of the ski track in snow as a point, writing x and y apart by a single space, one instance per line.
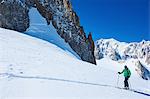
10 75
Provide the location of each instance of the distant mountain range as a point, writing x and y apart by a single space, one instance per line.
121 51
116 50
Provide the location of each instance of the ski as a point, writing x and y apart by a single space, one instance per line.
136 91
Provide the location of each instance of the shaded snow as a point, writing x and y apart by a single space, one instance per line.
39 29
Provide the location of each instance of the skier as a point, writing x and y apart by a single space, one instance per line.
127 75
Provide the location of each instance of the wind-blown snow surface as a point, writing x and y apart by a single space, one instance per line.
31 68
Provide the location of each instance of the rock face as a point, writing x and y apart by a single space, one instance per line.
59 12
29 3
14 15
142 71
66 22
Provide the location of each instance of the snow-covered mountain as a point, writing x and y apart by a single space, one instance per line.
31 68
121 51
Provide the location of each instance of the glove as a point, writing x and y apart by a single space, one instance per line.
119 73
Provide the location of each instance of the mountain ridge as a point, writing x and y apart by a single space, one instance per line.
136 50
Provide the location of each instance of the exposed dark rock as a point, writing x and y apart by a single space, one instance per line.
14 15
29 3
142 71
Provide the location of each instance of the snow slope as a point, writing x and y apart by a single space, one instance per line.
31 68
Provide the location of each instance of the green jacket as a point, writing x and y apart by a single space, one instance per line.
126 73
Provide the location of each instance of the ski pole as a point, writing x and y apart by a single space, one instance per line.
117 80
130 84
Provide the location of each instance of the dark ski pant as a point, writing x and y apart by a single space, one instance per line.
126 84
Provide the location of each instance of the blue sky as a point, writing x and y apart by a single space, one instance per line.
124 20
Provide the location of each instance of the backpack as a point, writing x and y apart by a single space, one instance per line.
129 73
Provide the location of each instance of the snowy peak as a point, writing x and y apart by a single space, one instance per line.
109 48
122 51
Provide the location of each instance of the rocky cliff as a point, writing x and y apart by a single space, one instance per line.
142 70
14 15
